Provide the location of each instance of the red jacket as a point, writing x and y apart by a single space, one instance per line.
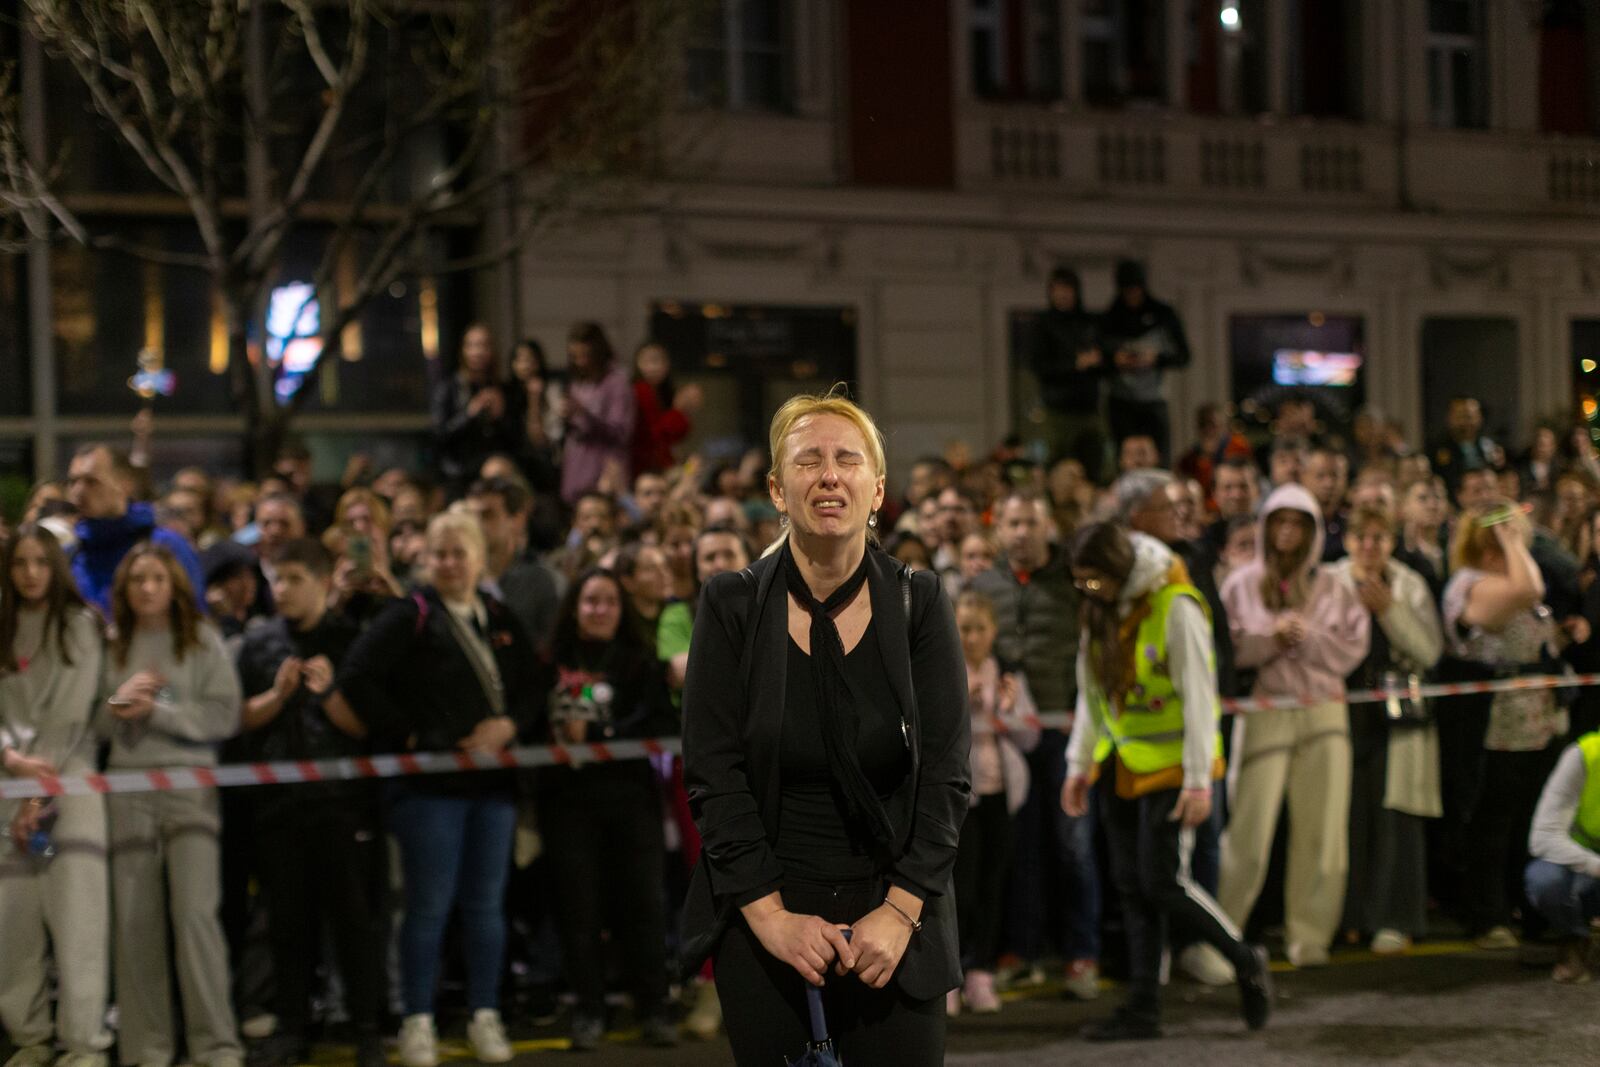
655 431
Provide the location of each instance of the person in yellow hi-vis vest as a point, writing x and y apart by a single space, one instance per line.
1563 878
1146 733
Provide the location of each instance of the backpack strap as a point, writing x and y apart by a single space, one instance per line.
422 613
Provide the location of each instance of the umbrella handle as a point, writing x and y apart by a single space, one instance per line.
819 1022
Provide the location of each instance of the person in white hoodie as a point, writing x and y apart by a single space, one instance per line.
171 697
1395 744
1146 728
53 891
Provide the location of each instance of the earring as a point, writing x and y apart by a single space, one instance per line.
872 520
783 518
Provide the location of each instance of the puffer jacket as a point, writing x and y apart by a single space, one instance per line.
1038 621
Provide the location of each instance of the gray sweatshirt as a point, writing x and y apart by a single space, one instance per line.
199 707
46 706
1551 836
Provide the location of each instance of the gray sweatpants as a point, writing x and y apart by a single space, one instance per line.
61 903
165 863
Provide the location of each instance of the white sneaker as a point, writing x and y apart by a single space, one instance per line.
1390 943
1082 979
1500 937
419 1044
488 1037
1303 955
1206 965
32 1056
84 1059
704 1020
259 1026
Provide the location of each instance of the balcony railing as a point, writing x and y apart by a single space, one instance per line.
1296 163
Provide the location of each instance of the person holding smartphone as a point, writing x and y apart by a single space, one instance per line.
173 696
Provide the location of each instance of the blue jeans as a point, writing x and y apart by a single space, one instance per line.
1563 896
455 852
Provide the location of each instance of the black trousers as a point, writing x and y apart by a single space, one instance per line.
1150 869
764 1000
1497 834
325 858
604 841
983 863
1130 418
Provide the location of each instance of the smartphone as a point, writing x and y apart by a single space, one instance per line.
359 549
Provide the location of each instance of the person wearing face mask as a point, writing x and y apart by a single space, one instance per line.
448 668
825 749
1395 746
57 904
1303 631
1145 736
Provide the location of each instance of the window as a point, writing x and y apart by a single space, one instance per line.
749 359
1310 353
1564 65
1014 49
1586 371
1124 51
106 307
1457 72
1325 59
739 56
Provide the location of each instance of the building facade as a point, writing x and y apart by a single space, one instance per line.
1412 182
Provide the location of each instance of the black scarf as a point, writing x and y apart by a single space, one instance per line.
836 705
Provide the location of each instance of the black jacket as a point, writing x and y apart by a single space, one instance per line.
409 680
1054 340
733 722
461 441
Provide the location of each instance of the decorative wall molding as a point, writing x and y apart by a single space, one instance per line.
1259 264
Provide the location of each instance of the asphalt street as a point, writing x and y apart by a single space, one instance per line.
1447 1004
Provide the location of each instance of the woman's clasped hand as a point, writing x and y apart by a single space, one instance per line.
808 943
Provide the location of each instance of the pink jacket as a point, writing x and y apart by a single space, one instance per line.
1338 627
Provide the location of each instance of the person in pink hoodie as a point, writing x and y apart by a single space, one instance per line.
1303 631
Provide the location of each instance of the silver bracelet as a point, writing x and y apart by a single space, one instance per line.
916 924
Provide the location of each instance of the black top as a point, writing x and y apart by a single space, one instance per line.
735 711
301 730
617 692
816 840
410 682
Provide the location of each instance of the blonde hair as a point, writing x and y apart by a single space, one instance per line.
833 402
376 507
1473 540
458 524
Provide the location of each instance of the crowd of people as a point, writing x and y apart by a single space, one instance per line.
540 584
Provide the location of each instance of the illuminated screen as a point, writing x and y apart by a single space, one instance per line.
1294 366
294 341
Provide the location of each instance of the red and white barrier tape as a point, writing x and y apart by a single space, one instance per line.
292 772
299 772
1378 696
